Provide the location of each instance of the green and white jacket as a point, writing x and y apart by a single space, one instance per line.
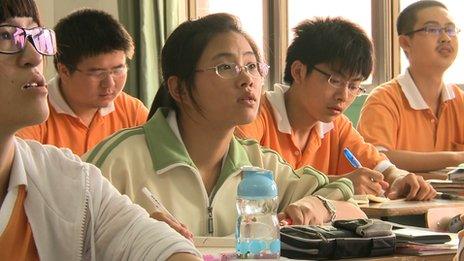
155 157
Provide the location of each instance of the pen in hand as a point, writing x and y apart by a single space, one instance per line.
351 158
357 165
173 221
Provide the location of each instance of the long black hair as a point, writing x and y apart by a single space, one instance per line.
183 49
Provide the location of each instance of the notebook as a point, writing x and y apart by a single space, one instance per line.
422 236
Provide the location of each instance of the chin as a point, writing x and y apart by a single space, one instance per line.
329 119
40 116
249 118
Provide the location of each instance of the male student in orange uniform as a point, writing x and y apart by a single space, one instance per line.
416 119
86 99
326 63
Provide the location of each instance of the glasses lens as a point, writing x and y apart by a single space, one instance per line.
44 40
263 69
12 39
227 70
433 30
451 31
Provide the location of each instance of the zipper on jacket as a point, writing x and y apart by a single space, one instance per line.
84 218
210 221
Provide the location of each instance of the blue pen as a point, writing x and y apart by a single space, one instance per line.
352 159
355 162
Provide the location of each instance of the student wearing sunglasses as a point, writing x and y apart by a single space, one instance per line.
416 119
53 205
86 99
303 121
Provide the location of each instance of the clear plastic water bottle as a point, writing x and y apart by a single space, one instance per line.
257 231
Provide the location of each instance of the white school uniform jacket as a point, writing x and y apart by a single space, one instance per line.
154 156
76 214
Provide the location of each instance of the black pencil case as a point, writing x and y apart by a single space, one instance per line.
345 239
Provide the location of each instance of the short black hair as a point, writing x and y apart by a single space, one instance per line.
341 44
87 33
184 48
19 8
408 17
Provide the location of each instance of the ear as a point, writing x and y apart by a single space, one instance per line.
298 71
175 89
405 43
63 71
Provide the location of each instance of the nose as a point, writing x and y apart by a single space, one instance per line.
245 78
108 80
30 57
343 94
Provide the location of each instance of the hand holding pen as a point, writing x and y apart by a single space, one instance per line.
162 214
365 181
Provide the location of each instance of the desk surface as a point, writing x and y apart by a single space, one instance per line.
404 208
217 251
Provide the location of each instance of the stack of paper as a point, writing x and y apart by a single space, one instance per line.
424 249
449 186
420 241
456 174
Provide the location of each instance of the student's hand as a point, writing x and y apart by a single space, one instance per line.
179 227
412 187
306 211
367 181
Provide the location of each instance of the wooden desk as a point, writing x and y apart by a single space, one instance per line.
406 208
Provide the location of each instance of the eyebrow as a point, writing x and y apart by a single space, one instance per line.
103 69
229 55
437 23
342 75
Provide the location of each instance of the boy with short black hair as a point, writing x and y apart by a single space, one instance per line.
326 63
86 99
416 119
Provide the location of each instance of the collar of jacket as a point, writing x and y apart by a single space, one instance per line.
171 152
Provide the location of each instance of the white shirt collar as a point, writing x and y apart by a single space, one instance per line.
18 172
17 177
172 122
277 100
61 106
413 95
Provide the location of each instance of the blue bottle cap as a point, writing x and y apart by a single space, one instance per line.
257 184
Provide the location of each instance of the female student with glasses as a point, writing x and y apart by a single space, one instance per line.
53 205
187 155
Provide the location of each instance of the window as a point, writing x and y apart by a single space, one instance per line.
453 74
251 16
270 24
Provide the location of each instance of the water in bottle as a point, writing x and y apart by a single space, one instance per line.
257 232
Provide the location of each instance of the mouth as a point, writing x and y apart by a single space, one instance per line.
35 82
445 49
336 109
248 99
105 95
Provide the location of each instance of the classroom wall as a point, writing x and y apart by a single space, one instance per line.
53 10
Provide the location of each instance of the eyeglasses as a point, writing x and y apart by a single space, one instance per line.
100 74
354 87
232 70
13 39
435 30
